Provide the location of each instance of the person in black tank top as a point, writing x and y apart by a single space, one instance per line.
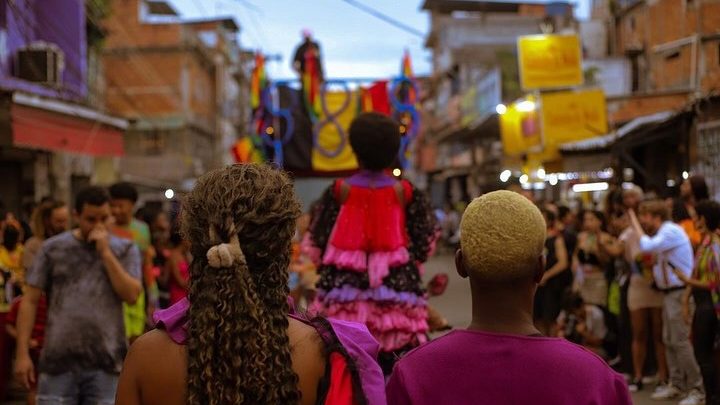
557 278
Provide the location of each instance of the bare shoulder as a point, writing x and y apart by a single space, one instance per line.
153 344
307 350
304 337
159 366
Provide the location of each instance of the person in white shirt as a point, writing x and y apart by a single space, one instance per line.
672 248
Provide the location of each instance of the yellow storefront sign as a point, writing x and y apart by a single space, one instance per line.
570 116
519 130
550 61
560 117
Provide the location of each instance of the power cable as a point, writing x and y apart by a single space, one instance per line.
384 17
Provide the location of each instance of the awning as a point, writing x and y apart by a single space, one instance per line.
60 126
587 145
602 142
488 126
581 162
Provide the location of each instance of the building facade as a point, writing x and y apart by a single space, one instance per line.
53 140
475 68
179 85
657 62
673 50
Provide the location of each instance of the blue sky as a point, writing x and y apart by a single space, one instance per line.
354 44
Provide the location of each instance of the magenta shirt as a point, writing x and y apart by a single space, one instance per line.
479 368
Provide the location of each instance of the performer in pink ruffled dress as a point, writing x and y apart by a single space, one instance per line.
369 236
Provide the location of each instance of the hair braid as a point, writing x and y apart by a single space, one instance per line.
239 351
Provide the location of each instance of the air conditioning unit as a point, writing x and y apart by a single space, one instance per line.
41 63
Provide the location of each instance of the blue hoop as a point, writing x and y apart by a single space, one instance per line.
270 141
402 107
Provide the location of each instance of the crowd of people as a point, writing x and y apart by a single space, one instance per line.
636 283
75 298
209 300
633 279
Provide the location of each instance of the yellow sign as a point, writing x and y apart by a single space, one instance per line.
520 128
550 61
560 117
570 116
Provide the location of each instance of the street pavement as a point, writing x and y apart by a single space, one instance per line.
456 302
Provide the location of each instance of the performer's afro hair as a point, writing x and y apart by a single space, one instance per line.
375 139
502 235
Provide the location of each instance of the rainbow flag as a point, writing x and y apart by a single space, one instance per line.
407 72
245 151
258 81
406 66
311 84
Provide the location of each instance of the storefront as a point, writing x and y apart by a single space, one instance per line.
53 147
654 152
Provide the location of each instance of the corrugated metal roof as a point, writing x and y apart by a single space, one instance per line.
605 141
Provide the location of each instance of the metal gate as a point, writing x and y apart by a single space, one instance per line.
708 148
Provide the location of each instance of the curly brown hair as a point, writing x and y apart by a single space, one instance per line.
238 348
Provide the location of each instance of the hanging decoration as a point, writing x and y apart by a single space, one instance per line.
312 83
375 98
260 99
330 118
304 129
267 115
403 97
247 149
258 81
276 135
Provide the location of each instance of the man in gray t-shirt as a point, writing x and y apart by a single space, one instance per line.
86 274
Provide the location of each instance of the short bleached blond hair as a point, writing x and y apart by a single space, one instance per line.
502 236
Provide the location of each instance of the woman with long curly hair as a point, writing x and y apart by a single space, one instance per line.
233 340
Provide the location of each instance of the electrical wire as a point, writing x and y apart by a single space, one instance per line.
384 17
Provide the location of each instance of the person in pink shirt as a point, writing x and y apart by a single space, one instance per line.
178 268
501 358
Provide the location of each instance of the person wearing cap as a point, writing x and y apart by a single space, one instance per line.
501 358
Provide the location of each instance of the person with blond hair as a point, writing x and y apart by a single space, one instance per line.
501 358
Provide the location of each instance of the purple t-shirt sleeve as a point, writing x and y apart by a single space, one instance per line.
623 394
396 391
